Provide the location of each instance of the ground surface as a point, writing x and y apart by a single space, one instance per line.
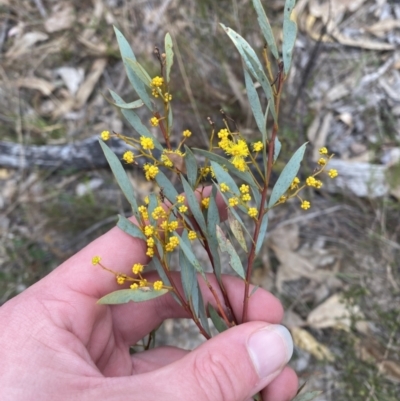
335 267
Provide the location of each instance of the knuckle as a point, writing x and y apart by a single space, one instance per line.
215 377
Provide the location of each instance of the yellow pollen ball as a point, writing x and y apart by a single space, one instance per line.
105 135
154 121
172 244
146 143
323 151
295 183
172 226
137 268
206 202
192 235
246 197
157 81
233 201
128 156
134 286
333 173
223 133
322 161
150 171
253 212
305 205
310 181
158 285
258 146
187 133
183 209
148 231
244 189
224 187
96 260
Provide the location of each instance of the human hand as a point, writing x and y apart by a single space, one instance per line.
57 343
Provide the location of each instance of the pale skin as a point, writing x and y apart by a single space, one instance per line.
56 343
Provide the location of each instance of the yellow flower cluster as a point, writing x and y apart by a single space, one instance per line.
322 161
143 212
137 268
121 279
205 202
148 231
154 121
134 286
180 198
105 135
333 173
313 182
172 226
238 150
244 189
252 212
246 197
128 156
224 187
258 146
173 242
96 260
146 143
186 133
234 201
157 81
204 171
167 162
158 285
305 205
183 209
192 235
295 184
159 213
150 171
167 97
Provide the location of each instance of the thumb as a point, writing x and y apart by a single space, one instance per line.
232 366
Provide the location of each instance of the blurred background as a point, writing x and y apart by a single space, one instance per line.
335 267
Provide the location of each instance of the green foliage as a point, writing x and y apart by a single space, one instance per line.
127 53
309 396
170 222
289 34
121 177
216 319
287 176
226 246
125 296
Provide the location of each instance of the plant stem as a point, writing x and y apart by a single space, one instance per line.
163 130
182 300
271 147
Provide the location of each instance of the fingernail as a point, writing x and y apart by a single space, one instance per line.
270 349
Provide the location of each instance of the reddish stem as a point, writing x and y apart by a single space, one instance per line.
163 130
271 147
